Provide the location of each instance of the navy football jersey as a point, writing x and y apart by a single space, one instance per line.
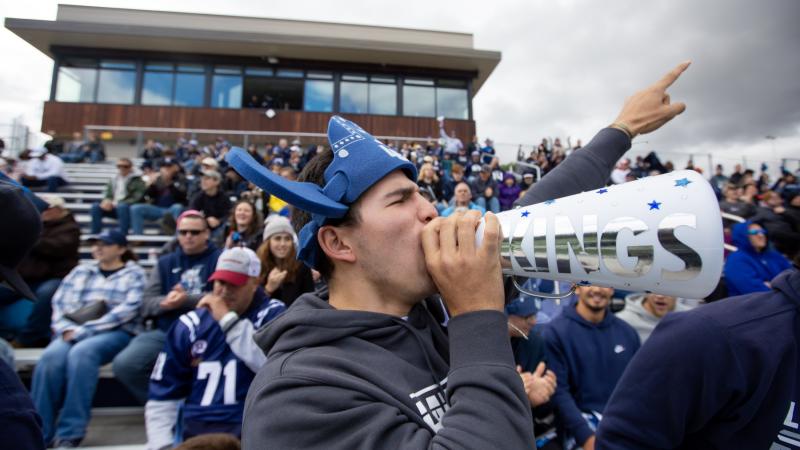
198 365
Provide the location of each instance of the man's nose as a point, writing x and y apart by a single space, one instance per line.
427 211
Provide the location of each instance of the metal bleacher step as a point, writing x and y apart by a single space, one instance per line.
77 187
145 263
90 197
26 358
139 238
84 220
90 180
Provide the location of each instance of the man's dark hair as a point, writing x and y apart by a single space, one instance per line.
314 172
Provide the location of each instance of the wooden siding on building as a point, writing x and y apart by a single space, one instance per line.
66 118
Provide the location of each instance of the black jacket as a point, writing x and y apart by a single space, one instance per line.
217 206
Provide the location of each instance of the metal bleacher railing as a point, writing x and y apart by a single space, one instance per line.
87 184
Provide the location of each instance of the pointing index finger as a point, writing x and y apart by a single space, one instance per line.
672 75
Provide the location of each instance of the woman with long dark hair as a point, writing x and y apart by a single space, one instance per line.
242 228
282 275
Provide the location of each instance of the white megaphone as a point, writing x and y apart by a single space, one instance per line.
660 234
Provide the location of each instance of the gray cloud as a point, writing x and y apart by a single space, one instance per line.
567 66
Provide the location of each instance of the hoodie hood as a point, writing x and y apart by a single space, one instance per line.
740 237
313 322
642 320
635 304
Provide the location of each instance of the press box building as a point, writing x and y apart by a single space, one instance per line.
136 68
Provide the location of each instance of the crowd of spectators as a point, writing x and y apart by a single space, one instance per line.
157 327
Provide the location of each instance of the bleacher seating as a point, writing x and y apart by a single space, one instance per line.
87 185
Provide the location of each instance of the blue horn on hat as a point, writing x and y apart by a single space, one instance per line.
360 161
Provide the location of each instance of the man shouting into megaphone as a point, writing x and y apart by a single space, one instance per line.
369 366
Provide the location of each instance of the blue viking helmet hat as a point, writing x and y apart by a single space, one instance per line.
359 162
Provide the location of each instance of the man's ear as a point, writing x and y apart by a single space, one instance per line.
333 241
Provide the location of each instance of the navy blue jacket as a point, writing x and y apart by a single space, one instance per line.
191 271
747 270
588 360
722 376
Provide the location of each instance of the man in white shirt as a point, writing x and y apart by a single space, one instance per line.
451 143
620 172
44 169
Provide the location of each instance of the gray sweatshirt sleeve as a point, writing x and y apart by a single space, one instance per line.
585 169
488 406
151 297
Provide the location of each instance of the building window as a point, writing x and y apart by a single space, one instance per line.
452 103
116 82
189 89
290 73
379 96
419 98
318 96
383 95
353 97
76 84
263 90
167 84
253 71
158 84
226 87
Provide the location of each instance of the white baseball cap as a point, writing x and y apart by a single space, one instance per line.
210 162
236 265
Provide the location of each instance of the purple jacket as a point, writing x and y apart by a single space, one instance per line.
508 195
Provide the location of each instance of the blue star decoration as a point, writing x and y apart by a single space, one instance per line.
654 205
683 182
549 202
602 191
525 213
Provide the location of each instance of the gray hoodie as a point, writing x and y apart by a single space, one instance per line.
363 380
642 320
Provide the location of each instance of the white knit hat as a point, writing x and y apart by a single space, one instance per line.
275 224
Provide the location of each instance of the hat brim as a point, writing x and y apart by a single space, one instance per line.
306 196
16 282
234 278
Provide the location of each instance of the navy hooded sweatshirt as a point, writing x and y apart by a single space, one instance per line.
588 360
747 270
722 376
339 379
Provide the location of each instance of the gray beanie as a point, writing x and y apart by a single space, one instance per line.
275 224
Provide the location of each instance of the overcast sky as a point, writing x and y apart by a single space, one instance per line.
566 67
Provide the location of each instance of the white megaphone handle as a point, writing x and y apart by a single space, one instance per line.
555 295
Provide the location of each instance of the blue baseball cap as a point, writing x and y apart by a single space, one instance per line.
523 307
111 237
359 162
